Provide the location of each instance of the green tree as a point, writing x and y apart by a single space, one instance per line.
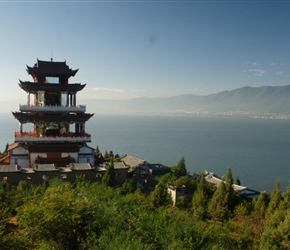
231 195
260 206
275 199
109 178
111 154
186 182
237 181
160 196
276 233
97 150
200 200
180 169
6 148
219 206
57 218
106 155
128 187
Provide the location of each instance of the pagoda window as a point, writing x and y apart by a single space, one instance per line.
53 80
52 99
40 98
64 99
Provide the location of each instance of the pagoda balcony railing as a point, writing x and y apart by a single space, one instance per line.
48 108
33 137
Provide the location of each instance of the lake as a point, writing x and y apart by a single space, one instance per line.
257 150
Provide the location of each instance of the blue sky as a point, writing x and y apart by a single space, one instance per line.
129 49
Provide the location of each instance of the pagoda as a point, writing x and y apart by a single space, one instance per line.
58 132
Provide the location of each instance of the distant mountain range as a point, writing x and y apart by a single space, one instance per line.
241 101
249 101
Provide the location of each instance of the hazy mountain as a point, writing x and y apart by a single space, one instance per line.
247 99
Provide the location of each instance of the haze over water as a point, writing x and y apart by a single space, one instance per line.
257 150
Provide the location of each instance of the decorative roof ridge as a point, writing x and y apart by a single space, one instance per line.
30 82
51 61
51 68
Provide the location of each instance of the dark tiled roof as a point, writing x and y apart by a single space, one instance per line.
132 162
31 87
51 68
30 117
44 167
117 165
9 168
80 166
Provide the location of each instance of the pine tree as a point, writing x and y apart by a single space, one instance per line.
160 196
111 154
200 200
276 233
238 182
180 169
97 150
219 207
6 148
275 199
109 178
231 196
261 204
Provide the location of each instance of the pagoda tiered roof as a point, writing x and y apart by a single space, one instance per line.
51 69
32 87
33 117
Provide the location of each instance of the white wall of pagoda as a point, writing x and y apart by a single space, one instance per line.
19 156
86 155
22 161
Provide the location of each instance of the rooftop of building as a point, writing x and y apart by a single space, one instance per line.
51 68
80 166
132 162
10 168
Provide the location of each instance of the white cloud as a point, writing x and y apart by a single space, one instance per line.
279 73
252 64
257 72
277 64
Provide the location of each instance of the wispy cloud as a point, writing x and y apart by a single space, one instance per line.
278 73
255 72
277 64
254 64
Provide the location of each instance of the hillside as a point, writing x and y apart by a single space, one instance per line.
261 100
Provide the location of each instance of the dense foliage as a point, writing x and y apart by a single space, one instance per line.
83 215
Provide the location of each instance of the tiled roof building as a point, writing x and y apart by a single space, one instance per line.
58 124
